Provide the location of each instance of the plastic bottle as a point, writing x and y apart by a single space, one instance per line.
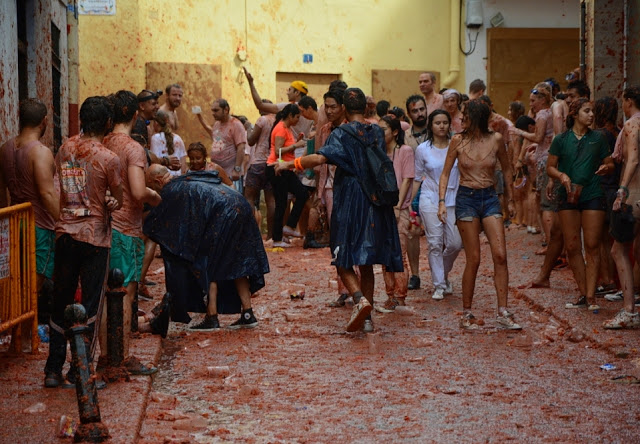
43 333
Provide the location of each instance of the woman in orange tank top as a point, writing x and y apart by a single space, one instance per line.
477 150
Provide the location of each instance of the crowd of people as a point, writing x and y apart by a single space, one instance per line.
455 168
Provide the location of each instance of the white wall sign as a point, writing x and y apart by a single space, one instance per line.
97 7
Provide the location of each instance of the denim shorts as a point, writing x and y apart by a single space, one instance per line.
477 203
595 204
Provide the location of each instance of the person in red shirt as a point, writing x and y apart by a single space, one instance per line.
87 170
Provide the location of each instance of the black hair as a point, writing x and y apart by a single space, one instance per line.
413 99
555 86
197 146
478 114
96 115
355 101
338 84
335 94
382 108
517 109
574 109
581 87
464 98
222 103
31 113
290 109
308 102
523 122
398 112
432 116
394 125
486 99
605 111
633 93
125 105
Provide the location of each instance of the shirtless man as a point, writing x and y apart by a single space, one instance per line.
27 172
173 102
626 150
127 246
427 83
229 138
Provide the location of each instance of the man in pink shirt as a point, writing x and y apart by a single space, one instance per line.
87 170
127 246
229 139
27 171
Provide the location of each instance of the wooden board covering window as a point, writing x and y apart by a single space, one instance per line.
395 86
200 85
518 58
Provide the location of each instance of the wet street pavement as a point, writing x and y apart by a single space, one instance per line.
299 377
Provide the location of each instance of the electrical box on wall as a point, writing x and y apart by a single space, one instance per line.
474 14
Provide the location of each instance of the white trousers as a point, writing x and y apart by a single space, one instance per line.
444 243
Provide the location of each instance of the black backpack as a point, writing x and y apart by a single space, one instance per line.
379 179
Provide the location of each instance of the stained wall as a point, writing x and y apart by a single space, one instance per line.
348 38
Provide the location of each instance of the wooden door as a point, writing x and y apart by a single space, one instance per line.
201 86
518 58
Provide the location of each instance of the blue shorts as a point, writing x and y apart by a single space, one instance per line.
595 204
477 203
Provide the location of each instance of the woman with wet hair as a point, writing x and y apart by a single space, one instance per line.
477 206
576 158
164 143
197 154
443 237
283 146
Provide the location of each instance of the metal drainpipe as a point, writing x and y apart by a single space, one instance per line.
454 46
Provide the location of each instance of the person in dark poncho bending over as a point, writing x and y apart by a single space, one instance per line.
363 233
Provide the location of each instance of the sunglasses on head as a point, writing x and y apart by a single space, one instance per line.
535 91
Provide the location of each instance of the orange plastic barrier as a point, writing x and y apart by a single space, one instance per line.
18 293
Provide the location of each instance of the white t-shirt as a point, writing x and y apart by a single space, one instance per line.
159 148
429 166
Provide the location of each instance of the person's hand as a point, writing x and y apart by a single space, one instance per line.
549 190
513 131
112 203
248 75
300 137
174 163
603 170
617 204
442 212
279 167
566 182
511 208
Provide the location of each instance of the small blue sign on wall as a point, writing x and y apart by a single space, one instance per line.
307 58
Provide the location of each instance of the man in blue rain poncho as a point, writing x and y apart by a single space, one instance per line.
363 233
211 246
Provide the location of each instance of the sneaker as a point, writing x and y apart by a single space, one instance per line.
614 297
505 320
438 295
208 323
449 288
290 232
580 303
414 282
53 380
623 319
368 326
281 244
388 307
247 320
342 299
593 307
360 313
468 322
602 290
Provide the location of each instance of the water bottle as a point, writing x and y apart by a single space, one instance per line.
43 333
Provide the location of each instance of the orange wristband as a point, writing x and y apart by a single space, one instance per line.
298 163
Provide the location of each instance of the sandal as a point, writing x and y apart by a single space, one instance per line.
580 303
135 367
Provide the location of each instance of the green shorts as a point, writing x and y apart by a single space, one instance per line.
127 253
45 251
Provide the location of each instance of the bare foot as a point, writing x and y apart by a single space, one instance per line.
543 283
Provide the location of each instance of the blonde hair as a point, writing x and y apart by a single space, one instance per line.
162 117
544 90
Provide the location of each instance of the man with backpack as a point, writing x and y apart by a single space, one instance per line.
363 223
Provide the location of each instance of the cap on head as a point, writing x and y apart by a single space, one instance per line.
300 86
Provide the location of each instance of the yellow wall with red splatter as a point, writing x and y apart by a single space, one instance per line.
349 37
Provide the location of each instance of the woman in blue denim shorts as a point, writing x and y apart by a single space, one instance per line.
477 150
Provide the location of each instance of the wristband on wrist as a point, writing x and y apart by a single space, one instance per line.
298 163
441 200
625 189
165 161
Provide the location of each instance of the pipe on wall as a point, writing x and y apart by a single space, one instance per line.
454 43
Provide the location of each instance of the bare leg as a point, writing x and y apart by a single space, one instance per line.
127 304
556 244
570 222
592 222
413 253
242 285
149 252
367 281
620 254
271 208
212 302
494 229
470 234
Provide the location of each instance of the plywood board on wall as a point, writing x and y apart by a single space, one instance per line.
201 86
395 86
518 58
318 84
